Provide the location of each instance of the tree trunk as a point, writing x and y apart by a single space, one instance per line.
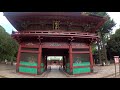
0 60
104 51
99 52
11 61
99 46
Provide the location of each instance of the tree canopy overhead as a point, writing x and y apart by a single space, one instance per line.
104 31
113 44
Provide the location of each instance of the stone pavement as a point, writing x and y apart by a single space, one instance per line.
8 71
102 72
55 73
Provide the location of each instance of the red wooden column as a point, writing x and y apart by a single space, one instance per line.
18 58
71 58
39 59
91 58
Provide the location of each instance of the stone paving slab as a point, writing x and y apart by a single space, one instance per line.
99 72
55 73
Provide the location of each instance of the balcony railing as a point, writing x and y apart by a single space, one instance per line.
53 33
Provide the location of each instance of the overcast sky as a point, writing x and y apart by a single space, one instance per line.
6 24
116 17
8 27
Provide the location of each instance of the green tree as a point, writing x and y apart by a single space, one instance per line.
103 32
8 46
113 44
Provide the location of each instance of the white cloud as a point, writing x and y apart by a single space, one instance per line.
116 17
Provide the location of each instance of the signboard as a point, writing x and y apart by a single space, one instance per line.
54 45
116 58
79 45
29 44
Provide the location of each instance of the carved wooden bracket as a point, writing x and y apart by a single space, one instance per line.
39 38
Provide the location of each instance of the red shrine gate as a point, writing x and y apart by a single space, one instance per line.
55 34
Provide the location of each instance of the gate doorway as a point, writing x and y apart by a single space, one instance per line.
55 59
54 62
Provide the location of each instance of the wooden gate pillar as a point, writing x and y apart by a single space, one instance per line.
39 59
18 58
70 58
91 59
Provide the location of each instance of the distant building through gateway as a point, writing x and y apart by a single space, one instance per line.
58 60
66 34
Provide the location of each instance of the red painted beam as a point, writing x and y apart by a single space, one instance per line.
29 51
62 36
62 32
32 46
80 52
53 33
58 37
55 47
78 46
